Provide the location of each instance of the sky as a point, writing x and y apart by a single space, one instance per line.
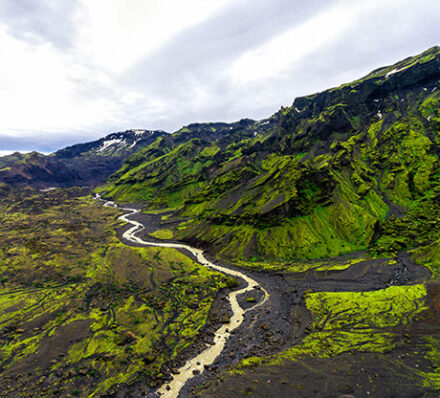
74 71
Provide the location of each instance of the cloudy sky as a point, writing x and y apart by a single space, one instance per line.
75 70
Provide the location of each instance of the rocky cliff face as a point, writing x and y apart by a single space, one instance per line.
313 180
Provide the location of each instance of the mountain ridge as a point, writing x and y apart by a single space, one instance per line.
319 162
77 165
326 169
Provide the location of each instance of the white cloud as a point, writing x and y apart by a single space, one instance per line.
32 79
160 64
50 90
288 48
119 33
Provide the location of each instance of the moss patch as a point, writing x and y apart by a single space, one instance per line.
80 311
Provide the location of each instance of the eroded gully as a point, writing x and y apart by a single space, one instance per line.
207 357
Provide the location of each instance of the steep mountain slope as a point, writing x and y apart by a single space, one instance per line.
320 178
176 166
81 164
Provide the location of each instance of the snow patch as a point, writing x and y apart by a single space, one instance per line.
379 114
429 118
48 189
393 72
134 143
264 123
123 143
425 89
298 110
139 132
108 143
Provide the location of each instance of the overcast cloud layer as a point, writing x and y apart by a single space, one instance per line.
73 71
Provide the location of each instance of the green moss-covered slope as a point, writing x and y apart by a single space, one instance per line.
334 173
81 313
374 343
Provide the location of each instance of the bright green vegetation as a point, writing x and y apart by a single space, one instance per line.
359 321
389 307
79 311
350 326
163 234
354 169
418 228
347 322
430 256
432 379
329 264
350 323
350 169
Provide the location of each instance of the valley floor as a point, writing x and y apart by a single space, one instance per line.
85 315
378 334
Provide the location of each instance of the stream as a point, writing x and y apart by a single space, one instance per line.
197 364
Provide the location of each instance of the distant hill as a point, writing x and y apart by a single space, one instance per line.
77 165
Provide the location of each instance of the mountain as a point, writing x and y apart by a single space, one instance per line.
77 165
177 164
336 172
328 210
